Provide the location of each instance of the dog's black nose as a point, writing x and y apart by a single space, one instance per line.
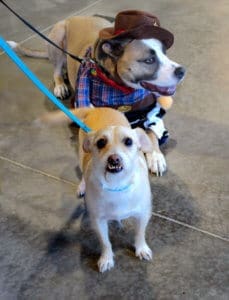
114 160
179 72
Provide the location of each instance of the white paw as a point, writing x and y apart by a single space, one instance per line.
106 262
156 162
144 252
61 91
12 44
81 188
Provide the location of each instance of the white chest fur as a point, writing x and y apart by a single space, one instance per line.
129 200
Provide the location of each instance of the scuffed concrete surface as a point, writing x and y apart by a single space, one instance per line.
46 251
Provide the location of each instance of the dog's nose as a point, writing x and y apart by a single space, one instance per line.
114 160
179 72
114 164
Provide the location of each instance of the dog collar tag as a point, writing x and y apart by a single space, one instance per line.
124 108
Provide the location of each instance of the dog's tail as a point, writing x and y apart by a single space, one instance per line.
58 117
26 51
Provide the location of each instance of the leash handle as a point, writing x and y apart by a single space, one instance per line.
80 60
14 57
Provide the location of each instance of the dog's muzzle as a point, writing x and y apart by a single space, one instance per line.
179 73
114 164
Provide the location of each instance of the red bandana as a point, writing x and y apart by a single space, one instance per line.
110 82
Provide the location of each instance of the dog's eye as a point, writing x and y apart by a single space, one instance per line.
150 60
101 143
128 141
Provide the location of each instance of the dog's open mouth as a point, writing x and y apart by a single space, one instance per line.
165 91
114 168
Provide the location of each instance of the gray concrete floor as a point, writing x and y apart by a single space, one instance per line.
45 253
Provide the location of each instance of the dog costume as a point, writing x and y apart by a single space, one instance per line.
141 106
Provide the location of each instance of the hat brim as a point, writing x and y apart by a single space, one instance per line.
138 33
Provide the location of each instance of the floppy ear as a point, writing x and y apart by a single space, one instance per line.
87 143
106 47
144 140
114 47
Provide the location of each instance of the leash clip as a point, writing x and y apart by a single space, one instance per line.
86 60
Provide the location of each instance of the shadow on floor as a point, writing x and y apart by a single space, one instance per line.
76 248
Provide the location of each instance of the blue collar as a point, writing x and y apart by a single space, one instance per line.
118 189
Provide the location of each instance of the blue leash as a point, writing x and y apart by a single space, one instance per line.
14 57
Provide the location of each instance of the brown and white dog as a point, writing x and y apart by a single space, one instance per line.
132 53
114 174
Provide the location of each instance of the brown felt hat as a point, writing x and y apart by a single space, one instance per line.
137 25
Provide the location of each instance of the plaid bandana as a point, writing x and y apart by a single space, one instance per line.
92 89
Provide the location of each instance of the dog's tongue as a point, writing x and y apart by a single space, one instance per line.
165 91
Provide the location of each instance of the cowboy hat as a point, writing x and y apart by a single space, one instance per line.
137 24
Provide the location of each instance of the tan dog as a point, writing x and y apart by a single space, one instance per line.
74 34
115 176
132 54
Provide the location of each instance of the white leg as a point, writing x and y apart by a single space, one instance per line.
58 59
155 160
81 188
61 90
106 261
142 250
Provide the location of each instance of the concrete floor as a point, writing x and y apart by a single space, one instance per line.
45 252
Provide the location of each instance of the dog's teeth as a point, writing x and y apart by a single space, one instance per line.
113 168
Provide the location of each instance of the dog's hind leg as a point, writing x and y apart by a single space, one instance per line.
58 59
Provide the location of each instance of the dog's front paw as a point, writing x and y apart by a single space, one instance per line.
61 91
81 188
144 252
156 162
106 262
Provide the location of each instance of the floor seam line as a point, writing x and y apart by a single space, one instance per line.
190 226
25 167
47 28
37 171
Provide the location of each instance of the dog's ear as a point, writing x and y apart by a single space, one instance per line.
87 143
144 140
114 47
